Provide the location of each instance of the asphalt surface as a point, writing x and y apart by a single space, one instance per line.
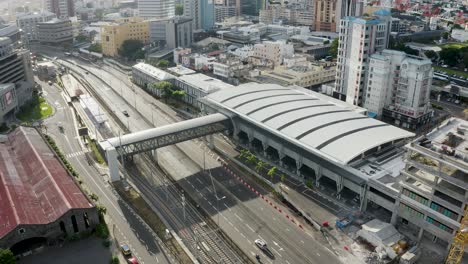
125 225
243 215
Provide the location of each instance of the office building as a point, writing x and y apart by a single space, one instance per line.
113 35
251 7
62 8
16 79
359 38
10 31
222 12
325 15
398 88
149 9
207 14
28 24
173 32
41 202
55 31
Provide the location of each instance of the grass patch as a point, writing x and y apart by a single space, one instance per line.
454 45
36 110
451 71
96 153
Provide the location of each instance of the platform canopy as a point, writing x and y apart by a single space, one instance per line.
310 120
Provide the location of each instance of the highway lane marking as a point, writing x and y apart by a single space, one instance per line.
261 238
287 262
242 234
227 207
230 223
237 230
199 180
317 254
251 229
238 217
276 251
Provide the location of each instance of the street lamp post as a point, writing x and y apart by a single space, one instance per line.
216 195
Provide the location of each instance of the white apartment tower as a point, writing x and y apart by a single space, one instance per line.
156 8
359 38
398 88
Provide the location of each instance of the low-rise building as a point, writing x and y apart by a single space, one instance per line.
273 51
144 75
460 35
28 23
10 31
113 35
179 52
55 31
308 76
230 66
41 202
199 85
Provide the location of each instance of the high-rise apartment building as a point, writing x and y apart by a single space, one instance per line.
398 88
62 8
222 12
359 38
156 8
325 15
16 79
172 32
202 13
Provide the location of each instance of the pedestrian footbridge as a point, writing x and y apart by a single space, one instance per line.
151 139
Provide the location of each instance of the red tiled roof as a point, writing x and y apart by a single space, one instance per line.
34 187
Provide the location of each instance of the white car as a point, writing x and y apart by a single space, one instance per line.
260 243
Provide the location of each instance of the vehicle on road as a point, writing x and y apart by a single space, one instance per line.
260 243
132 260
125 249
49 82
125 113
87 72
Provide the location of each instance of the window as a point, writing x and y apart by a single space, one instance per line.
21 230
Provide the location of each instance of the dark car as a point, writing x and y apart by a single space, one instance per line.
125 113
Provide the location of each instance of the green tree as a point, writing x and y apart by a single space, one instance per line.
445 35
163 63
431 54
178 94
282 177
96 47
465 59
7 257
165 89
259 167
271 172
334 48
251 159
114 260
179 9
244 153
450 56
132 49
81 38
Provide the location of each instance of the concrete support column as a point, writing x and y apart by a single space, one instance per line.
420 234
339 186
265 146
394 218
113 163
318 176
281 156
211 141
363 198
154 152
298 167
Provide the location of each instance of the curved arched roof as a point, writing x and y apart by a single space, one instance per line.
307 119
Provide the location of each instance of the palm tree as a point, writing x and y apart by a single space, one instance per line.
251 158
272 172
259 166
282 177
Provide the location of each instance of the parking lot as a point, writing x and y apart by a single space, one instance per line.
89 250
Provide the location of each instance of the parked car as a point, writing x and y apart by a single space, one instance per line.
125 249
125 113
132 260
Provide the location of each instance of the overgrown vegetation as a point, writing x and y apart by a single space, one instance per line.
132 49
167 91
7 257
95 47
179 9
96 153
334 48
61 156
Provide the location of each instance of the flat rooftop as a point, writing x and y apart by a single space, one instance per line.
153 71
34 186
205 83
308 120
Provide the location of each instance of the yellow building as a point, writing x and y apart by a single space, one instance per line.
114 35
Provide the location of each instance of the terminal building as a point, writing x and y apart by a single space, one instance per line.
315 137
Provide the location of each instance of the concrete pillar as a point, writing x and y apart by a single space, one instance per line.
363 198
154 152
298 167
318 175
339 186
420 234
265 146
113 163
394 218
211 141
281 156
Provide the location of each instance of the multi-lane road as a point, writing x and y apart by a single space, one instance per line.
242 215
125 225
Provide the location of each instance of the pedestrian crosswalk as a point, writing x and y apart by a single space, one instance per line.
75 154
